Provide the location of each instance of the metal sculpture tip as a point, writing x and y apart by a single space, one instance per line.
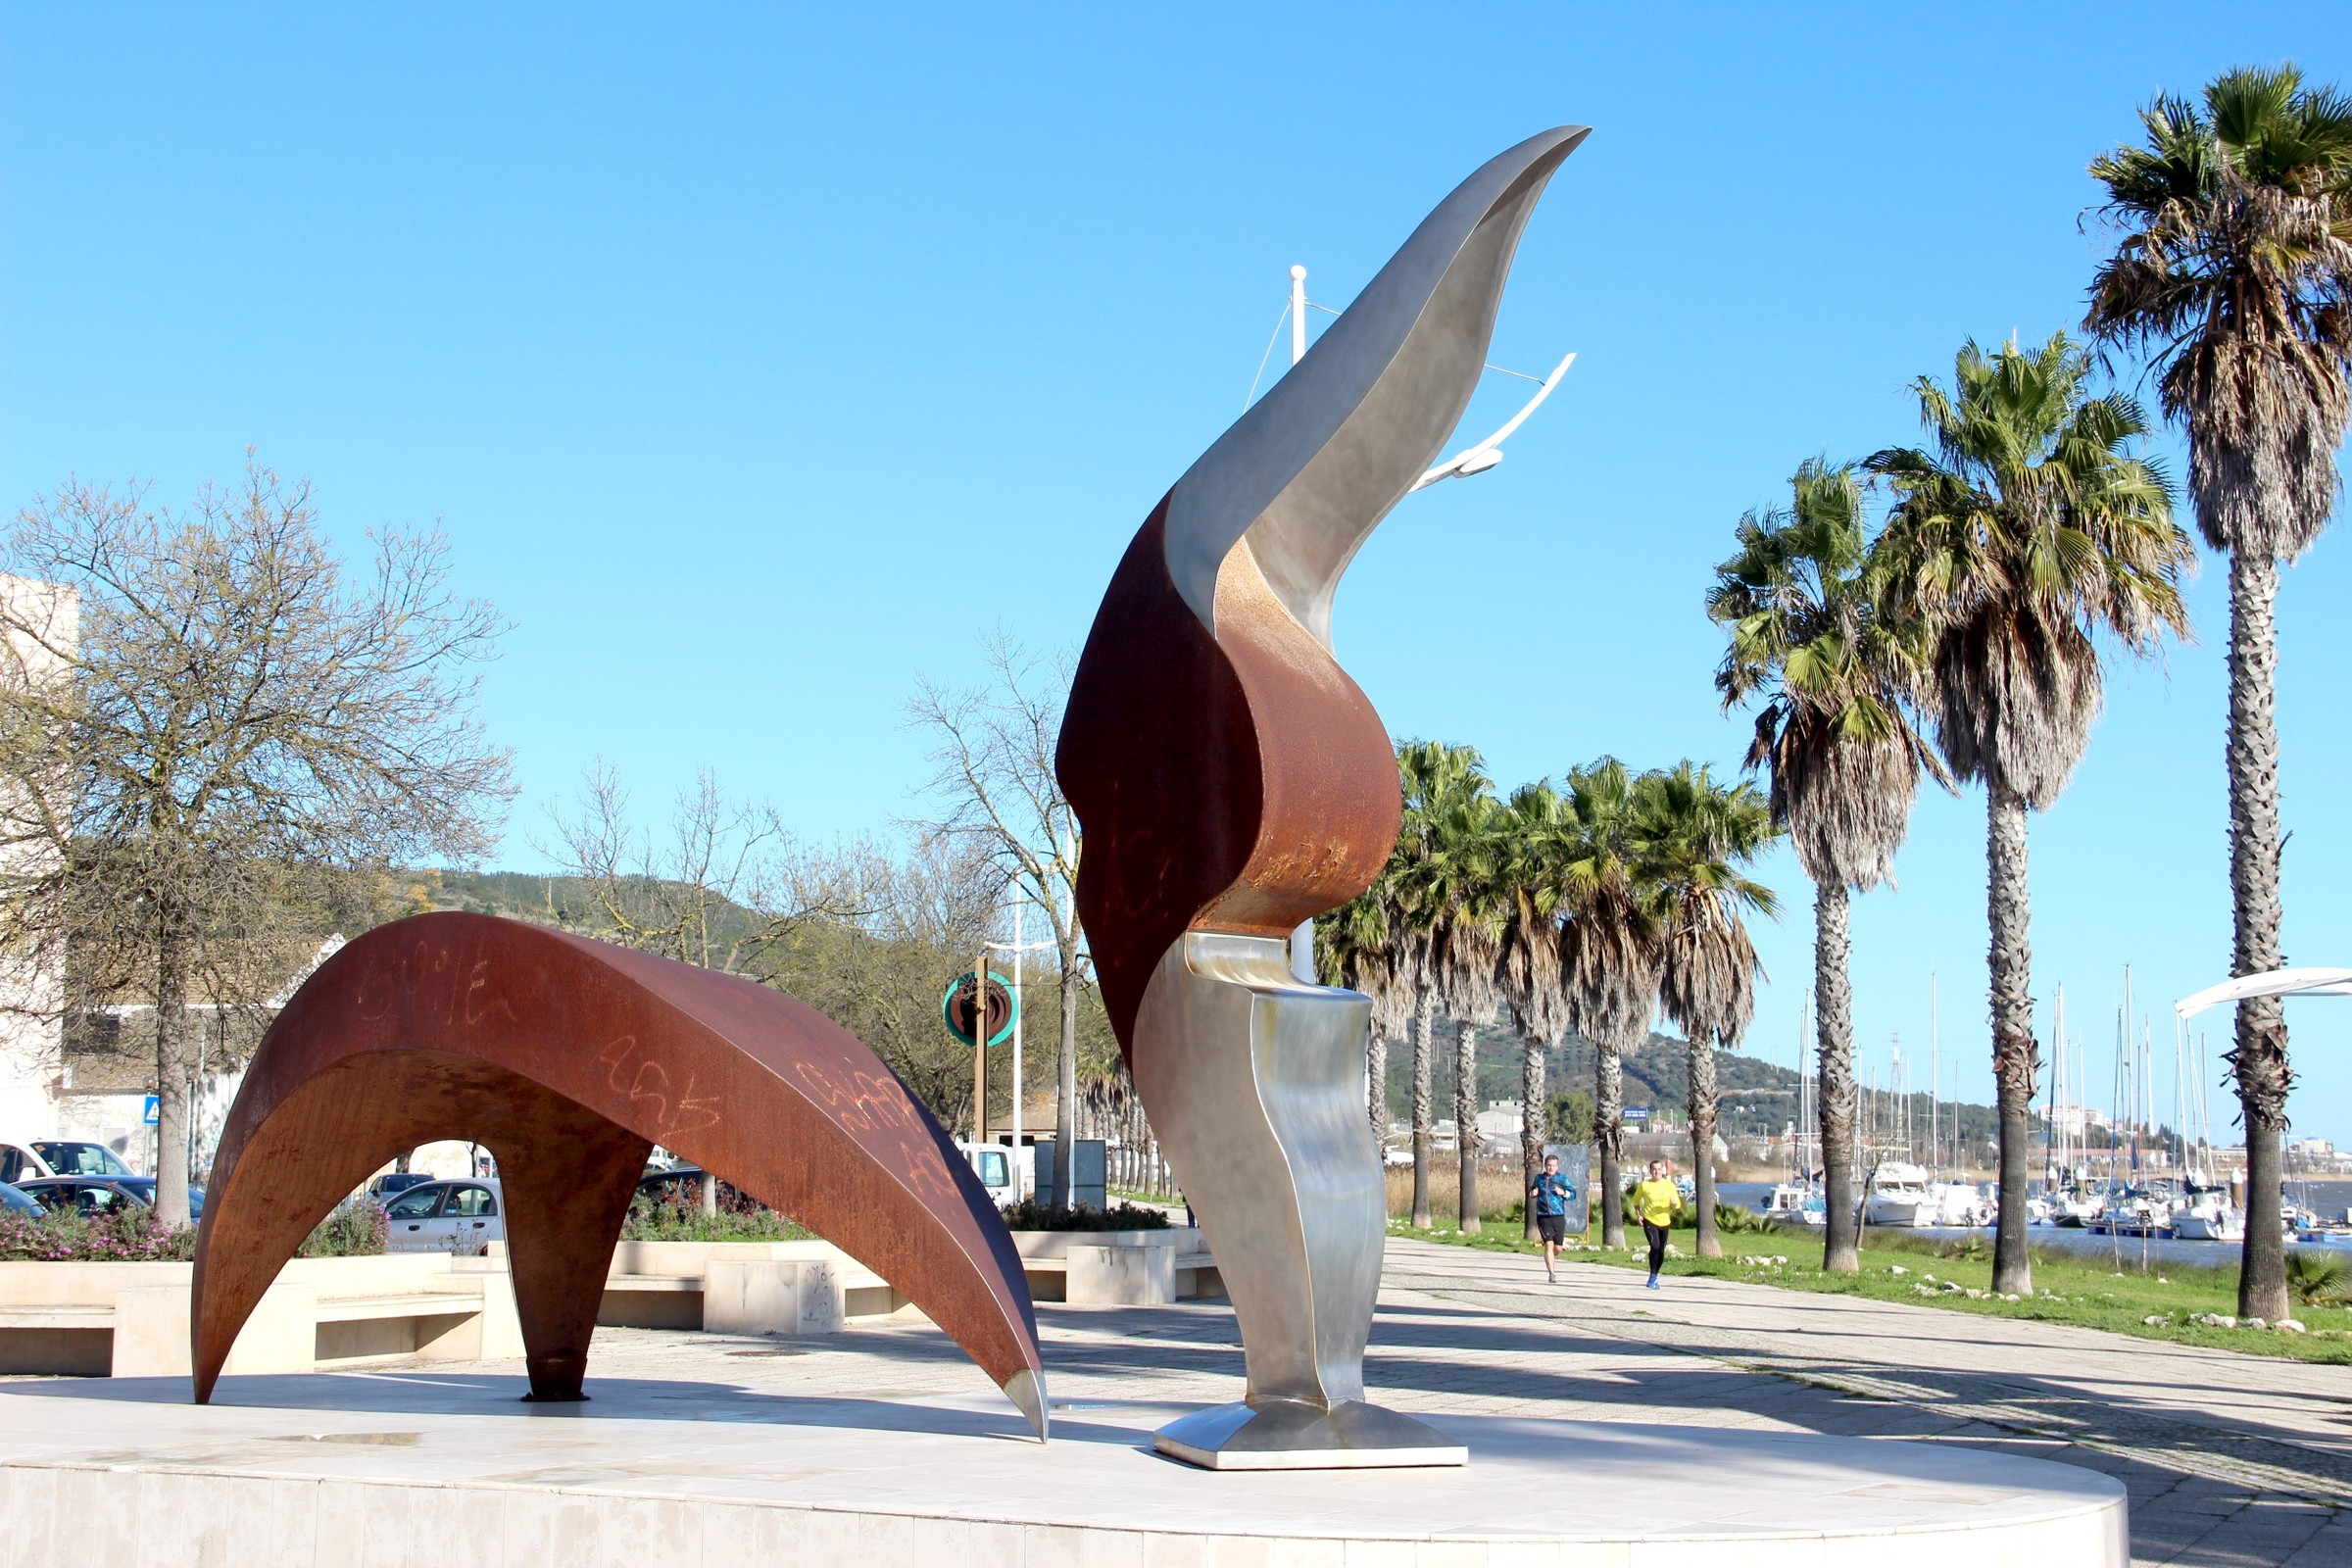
1028 1390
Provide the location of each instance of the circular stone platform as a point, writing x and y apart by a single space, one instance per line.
427 1468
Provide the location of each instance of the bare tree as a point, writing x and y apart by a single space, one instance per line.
993 755
224 710
728 886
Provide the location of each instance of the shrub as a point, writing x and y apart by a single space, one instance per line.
358 1228
1031 1215
1731 1220
684 1221
2319 1278
130 1234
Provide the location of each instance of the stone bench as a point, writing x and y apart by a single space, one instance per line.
806 1287
132 1319
1122 1268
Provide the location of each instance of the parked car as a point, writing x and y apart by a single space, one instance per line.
681 1187
21 1203
57 1156
392 1183
446 1217
91 1195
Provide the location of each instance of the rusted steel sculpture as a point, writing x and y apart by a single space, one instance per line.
570 1059
1233 781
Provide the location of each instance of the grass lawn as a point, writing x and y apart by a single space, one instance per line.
2068 1288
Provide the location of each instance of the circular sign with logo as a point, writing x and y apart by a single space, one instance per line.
956 1008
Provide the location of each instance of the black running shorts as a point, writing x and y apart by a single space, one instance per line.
1552 1228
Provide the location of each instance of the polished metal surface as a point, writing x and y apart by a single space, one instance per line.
1233 781
569 1059
1261 1433
1310 469
1253 1082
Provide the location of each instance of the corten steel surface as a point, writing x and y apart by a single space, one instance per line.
569 1059
1233 781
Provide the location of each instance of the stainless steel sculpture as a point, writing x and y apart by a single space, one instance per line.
1233 781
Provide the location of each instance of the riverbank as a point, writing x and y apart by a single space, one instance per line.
1957 1276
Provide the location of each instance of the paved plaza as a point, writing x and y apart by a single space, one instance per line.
2231 1460
2228 1459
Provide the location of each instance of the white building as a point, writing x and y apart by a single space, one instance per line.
44 626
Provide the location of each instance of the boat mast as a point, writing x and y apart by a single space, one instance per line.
2049 1114
1935 1079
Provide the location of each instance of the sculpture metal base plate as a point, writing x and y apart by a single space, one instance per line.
1293 1434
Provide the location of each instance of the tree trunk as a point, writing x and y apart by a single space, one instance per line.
171 1078
1376 1094
2258 1056
1465 1121
1065 1091
1608 1131
2015 1065
1832 1004
1424 1108
1703 1097
1531 1123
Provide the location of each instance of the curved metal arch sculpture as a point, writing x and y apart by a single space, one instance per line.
570 1059
1233 781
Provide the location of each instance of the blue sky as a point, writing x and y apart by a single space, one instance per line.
757 362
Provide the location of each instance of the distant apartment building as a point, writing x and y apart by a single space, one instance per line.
2075 1120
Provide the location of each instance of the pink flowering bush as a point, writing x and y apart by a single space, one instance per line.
132 1234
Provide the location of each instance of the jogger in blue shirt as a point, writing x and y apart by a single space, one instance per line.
1549 1195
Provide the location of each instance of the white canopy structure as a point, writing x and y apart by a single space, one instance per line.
2274 983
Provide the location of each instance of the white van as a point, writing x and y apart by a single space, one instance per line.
1009 1174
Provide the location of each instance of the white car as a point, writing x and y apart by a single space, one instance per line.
57 1156
459 1217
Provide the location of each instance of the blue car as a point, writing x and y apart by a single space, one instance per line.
96 1195
10 1198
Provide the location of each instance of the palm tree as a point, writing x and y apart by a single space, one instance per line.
1363 947
1697 836
2233 270
2030 529
1536 827
1814 632
1453 890
1609 955
1437 779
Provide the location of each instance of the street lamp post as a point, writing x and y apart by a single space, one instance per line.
1016 947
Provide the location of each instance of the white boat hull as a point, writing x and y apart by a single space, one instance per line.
2193 1226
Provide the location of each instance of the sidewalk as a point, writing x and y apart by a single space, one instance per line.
2229 1458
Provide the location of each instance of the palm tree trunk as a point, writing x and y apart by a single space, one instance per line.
2259 1057
2015 1065
1376 1093
1702 1139
1608 1131
1834 1005
1531 1123
1424 1109
1465 1121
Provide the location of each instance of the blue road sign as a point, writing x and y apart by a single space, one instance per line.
1636 1113
153 1112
